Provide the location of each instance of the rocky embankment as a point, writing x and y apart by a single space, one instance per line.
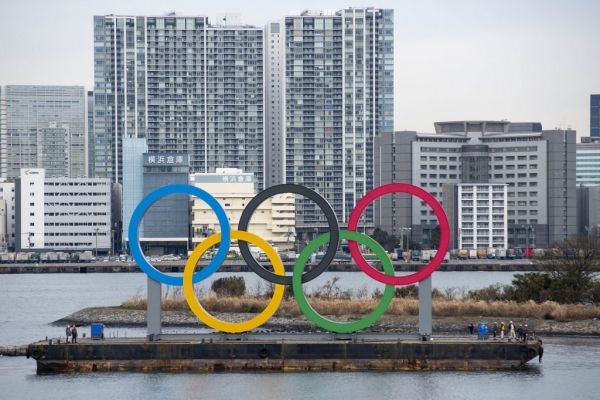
118 317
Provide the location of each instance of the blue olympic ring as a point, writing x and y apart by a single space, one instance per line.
138 214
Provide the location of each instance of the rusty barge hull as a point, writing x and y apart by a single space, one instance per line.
279 355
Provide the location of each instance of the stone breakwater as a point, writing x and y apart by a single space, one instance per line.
118 317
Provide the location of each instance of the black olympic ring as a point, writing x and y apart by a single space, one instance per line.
332 221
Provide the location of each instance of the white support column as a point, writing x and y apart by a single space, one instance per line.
425 307
153 311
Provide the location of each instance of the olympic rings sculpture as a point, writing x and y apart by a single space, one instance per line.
278 277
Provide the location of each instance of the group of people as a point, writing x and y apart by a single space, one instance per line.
71 332
501 329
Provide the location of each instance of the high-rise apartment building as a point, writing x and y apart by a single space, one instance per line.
43 127
538 167
274 138
595 115
182 83
338 88
90 134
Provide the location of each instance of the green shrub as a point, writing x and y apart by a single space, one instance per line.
231 286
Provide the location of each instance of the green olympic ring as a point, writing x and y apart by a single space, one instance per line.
314 316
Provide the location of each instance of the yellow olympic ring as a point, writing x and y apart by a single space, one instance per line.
202 314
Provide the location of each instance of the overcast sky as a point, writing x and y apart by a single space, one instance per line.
456 59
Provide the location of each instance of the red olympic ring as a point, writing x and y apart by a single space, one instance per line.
444 234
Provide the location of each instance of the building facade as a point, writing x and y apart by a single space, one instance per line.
66 214
538 167
30 229
185 85
595 115
7 194
273 221
166 224
338 96
274 138
588 212
133 180
477 214
90 134
588 164
43 127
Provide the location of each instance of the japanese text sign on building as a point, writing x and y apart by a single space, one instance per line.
175 159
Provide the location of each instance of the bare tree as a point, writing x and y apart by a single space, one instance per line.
572 266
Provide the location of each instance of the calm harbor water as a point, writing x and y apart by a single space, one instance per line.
570 368
29 302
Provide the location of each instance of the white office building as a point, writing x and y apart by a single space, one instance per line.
481 216
62 214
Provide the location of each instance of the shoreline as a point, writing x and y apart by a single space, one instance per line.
482 265
117 317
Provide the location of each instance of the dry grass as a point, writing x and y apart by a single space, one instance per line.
399 306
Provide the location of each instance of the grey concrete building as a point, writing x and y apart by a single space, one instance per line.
274 137
43 127
338 97
184 84
166 225
538 167
588 210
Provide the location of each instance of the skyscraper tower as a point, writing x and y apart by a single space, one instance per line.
274 124
43 126
338 96
183 84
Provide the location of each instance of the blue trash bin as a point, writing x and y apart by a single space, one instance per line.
97 331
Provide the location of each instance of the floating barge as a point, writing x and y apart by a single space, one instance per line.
280 352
